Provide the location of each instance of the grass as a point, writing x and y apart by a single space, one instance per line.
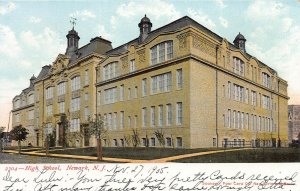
249 156
142 153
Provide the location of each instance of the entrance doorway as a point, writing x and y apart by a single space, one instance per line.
61 135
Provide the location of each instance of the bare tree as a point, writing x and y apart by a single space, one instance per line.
135 138
160 137
96 127
2 138
127 139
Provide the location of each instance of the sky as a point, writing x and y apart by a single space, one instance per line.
33 33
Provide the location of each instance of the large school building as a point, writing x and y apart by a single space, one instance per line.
180 85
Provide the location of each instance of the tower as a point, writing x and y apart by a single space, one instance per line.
240 42
73 40
145 28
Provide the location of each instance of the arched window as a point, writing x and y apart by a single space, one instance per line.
110 70
161 52
49 93
266 80
61 88
238 66
75 83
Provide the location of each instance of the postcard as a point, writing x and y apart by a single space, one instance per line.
149 95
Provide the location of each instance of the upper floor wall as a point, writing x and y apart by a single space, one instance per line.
167 47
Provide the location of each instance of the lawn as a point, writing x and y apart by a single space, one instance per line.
142 153
249 156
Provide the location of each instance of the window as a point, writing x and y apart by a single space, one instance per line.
238 93
135 92
238 120
144 142
30 114
61 88
266 80
266 102
49 93
86 113
61 106
169 142
152 141
17 118
75 83
122 142
169 115
86 77
86 96
179 113
48 128
49 109
129 122
161 83
144 87
152 115
242 120
247 96
75 104
144 117
135 121
229 90
253 98
214 142
160 115
178 141
75 125
238 66
247 121
234 119
179 78
17 103
161 52
129 94
122 119
229 118
110 70
115 142
31 99
132 65
121 92
109 121
115 121
110 95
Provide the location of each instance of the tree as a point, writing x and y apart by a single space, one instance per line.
96 127
135 138
1 138
160 137
19 133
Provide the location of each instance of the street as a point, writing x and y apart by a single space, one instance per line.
6 158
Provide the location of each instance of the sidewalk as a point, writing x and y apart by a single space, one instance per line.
123 160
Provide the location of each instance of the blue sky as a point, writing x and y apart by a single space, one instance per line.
32 33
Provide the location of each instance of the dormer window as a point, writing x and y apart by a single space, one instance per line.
238 66
266 80
161 52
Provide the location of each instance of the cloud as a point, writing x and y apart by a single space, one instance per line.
9 7
83 15
220 3
223 22
103 33
155 9
113 22
201 18
9 45
265 10
33 19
